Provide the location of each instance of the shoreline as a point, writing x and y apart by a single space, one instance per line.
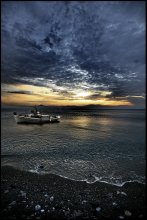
62 198
96 179
86 180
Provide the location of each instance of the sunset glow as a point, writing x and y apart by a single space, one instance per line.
29 95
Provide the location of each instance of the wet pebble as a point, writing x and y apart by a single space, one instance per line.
6 191
121 217
42 210
23 194
51 198
84 201
37 207
12 203
98 209
128 213
123 193
114 204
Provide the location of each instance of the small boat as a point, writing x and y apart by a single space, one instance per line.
35 118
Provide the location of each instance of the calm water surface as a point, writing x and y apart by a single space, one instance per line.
108 145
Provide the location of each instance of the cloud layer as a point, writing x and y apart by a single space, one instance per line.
96 46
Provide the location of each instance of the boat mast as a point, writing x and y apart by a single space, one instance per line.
35 111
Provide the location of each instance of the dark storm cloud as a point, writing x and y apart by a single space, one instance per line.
47 39
20 92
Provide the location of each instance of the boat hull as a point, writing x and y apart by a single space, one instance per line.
34 120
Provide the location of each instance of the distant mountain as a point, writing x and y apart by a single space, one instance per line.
81 108
64 109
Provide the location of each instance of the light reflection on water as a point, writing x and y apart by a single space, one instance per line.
110 146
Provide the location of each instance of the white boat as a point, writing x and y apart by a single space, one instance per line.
35 118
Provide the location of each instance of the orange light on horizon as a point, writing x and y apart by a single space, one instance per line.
25 99
43 95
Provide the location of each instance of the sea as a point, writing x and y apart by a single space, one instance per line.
100 145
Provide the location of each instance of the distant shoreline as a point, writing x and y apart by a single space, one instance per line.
69 109
74 107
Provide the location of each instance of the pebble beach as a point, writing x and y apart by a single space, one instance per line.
26 195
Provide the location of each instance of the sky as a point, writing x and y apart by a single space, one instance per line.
73 53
